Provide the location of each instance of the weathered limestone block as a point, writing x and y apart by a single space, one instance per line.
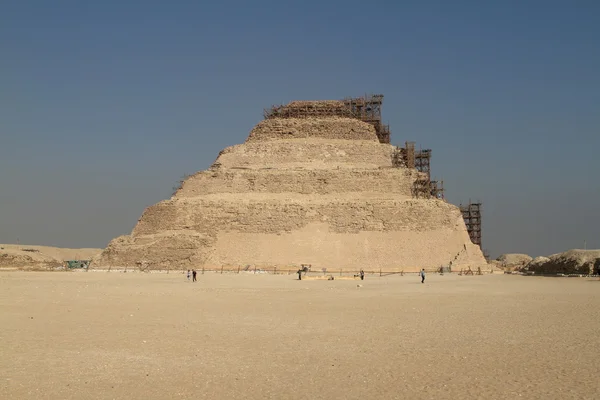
165 250
390 180
312 153
304 128
245 214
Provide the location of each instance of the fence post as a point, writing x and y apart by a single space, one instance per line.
238 269
380 272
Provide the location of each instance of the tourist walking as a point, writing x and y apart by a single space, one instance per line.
422 275
194 275
362 275
188 275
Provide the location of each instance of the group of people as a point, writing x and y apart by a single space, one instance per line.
361 274
193 273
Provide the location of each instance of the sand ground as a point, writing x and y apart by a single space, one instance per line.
98 335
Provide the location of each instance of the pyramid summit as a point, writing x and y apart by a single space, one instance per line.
316 182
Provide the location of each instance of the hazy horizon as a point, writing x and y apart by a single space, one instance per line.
105 106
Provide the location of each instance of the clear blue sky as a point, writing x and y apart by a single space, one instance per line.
105 105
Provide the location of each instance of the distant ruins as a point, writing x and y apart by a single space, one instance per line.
316 182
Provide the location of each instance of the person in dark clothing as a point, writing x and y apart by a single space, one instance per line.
299 274
422 275
362 275
194 275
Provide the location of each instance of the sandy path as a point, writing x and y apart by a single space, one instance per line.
99 335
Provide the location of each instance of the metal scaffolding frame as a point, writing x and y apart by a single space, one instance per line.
422 161
472 216
421 188
368 109
307 109
437 189
409 154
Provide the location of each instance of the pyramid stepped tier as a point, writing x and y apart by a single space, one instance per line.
307 153
303 128
310 190
384 183
278 215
